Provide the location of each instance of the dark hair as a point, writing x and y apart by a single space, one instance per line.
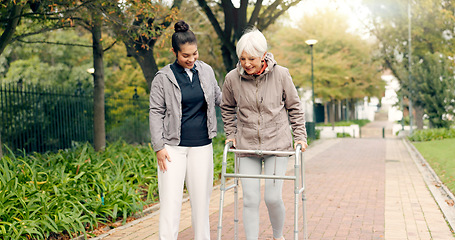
182 35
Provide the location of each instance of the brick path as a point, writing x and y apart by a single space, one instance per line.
345 195
367 188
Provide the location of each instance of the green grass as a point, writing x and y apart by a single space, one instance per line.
440 154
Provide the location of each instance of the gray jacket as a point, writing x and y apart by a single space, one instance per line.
165 113
257 110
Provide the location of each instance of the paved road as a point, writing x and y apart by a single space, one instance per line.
368 188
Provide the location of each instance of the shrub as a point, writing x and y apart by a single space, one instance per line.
432 134
343 135
70 192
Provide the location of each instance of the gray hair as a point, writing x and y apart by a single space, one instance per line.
253 43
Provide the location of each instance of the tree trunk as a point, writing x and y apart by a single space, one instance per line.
340 111
99 137
352 114
419 116
326 113
332 116
145 59
228 61
13 20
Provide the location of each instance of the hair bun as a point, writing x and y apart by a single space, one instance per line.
181 26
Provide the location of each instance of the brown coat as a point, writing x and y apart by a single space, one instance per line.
257 110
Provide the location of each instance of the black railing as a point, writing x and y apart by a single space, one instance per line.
127 119
38 118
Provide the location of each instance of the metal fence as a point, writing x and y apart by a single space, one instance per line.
127 119
38 118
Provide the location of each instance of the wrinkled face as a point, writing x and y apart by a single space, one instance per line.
250 64
187 55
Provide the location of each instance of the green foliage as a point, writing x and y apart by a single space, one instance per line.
435 88
218 149
54 64
360 122
71 191
133 130
440 154
318 135
63 193
432 30
343 135
432 134
344 64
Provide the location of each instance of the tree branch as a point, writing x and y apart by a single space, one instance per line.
43 30
7 35
274 15
110 46
255 14
214 22
57 43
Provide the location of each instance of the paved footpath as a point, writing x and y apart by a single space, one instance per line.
368 188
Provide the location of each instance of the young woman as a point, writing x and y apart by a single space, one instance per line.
259 101
182 124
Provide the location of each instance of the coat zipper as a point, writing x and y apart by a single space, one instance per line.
259 111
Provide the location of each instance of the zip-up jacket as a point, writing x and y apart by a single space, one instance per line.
257 109
165 112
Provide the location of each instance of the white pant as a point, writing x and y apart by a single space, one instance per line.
194 166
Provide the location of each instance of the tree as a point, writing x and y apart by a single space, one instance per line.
432 31
92 19
45 15
344 64
99 137
36 61
236 20
139 25
435 85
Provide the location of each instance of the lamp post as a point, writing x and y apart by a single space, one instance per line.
311 43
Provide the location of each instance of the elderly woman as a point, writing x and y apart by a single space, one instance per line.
259 102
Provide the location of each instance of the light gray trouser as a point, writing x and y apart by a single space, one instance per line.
273 165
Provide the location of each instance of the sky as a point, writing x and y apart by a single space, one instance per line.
352 8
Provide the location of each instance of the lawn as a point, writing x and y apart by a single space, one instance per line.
440 154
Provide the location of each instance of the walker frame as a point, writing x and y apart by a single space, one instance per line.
298 189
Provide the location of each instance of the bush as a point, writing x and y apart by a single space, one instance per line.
360 122
70 192
432 134
343 135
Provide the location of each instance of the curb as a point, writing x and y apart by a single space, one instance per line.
442 195
141 216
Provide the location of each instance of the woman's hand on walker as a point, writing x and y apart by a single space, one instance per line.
230 140
162 156
304 145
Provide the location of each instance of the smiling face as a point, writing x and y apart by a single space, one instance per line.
187 55
250 64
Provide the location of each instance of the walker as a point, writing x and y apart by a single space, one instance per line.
298 189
